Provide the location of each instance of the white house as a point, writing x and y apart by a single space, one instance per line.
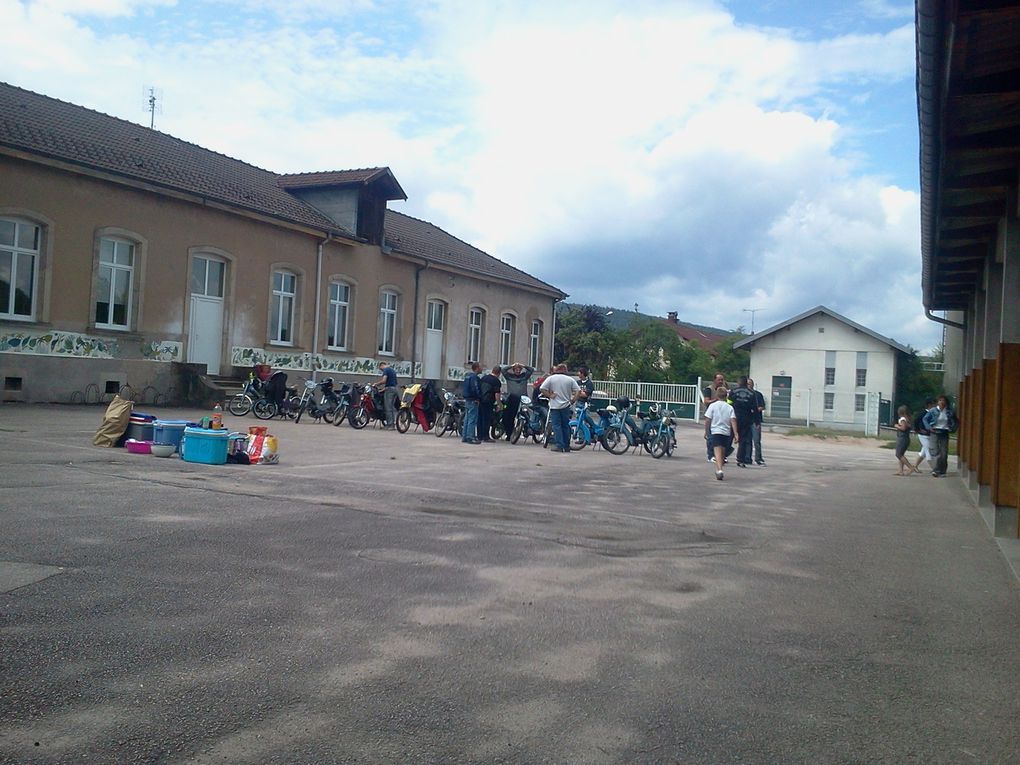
822 368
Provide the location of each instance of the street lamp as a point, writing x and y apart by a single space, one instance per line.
752 311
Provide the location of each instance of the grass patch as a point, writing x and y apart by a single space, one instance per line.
824 433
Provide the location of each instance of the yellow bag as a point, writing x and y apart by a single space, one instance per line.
115 422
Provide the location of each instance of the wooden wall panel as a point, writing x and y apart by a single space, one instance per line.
976 397
1006 486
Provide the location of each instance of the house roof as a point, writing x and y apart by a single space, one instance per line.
693 334
379 176
747 341
47 127
422 239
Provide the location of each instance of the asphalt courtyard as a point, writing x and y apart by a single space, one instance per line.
387 598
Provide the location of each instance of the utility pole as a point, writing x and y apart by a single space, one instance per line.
153 103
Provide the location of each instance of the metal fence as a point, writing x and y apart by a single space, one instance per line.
685 399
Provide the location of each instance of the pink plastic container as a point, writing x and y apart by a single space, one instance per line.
138 447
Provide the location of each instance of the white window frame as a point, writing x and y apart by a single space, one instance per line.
387 339
206 260
435 309
860 402
535 345
17 254
476 334
339 304
115 268
284 302
829 401
507 328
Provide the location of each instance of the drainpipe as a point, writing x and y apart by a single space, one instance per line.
939 319
318 298
414 332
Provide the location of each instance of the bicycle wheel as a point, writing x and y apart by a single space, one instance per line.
515 434
660 445
357 417
578 438
240 405
327 414
264 409
442 424
615 441
403 420
339 414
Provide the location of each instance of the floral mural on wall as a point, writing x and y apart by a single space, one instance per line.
315 362
58 343
162 350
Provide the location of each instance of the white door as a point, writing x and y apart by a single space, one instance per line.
434 326
205 330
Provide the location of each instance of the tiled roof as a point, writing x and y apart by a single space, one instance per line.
342 178
702 338
419 238
59 130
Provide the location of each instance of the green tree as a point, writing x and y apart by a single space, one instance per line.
732 362
914 384
651 351
584 338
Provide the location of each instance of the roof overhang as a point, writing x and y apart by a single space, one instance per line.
968 104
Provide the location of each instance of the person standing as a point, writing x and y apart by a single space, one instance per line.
388 381
923 436
708 397
743 402
903 440
720 426
941 421
562 390
489 386
515 378
756 422
472 395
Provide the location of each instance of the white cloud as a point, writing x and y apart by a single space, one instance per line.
588 145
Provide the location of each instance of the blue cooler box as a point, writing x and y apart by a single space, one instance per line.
206 446
169 432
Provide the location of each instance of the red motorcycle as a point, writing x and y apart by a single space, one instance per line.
369 407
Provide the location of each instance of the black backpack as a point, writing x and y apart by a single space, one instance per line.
919 427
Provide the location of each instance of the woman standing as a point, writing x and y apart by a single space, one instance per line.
903 426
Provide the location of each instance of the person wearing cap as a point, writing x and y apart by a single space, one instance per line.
516 378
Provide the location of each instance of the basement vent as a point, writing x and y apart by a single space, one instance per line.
113 386
12 383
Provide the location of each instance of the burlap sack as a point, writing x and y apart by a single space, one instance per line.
115 422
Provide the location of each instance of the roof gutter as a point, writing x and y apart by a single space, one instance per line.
941 320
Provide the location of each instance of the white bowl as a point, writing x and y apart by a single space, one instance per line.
163 450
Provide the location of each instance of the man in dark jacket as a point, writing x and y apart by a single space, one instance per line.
488 393
743 402
941 421
756 422
472 395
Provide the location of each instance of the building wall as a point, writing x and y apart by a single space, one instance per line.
62 354
799 352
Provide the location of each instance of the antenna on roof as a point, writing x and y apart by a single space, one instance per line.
153 102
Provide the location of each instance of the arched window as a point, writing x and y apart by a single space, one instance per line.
20 241
338 319
281 308
388 302
115 283
535 345
476 334
507 330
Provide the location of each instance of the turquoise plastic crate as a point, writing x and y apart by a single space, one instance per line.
206 446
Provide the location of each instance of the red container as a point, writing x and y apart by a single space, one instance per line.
138 447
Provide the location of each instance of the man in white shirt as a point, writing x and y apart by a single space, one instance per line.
561 389
720 428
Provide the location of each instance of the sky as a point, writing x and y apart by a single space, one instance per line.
710 157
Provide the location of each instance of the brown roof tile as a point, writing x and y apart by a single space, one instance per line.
59 130
342 178
422 239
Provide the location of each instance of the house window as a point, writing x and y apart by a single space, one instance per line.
859 402
19 259
830 402
506 338
476 325
862 369
830 367
435 315
388 323
207 276
535 345
116 276
339 308
281 311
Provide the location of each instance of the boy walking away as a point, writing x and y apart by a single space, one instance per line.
708 396
720 425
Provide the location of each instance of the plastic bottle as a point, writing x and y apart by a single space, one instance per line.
217 417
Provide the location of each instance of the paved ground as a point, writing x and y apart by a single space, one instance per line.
379 598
